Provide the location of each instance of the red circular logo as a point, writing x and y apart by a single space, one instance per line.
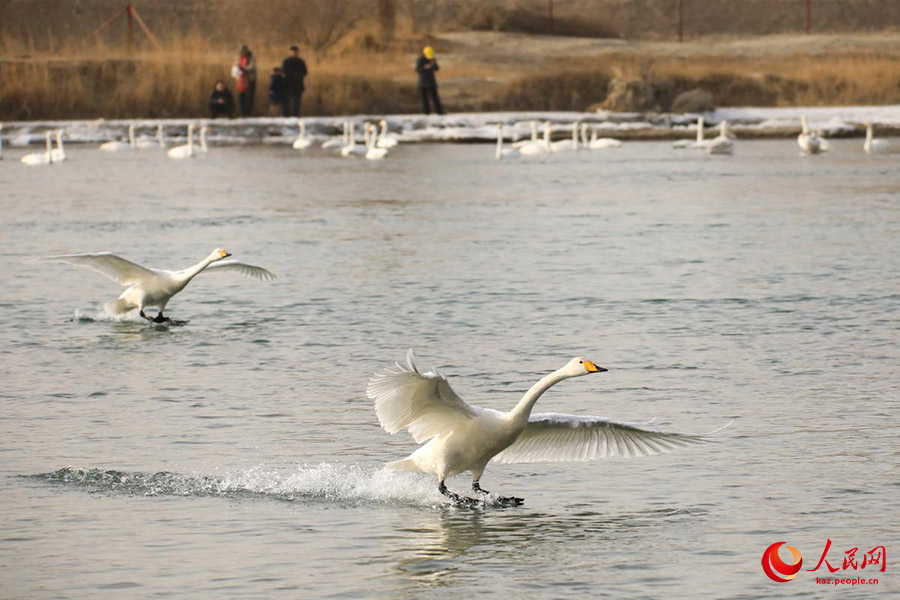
778 570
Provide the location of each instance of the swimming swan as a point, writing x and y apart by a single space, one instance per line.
58 154
185 150
596 143
723 143
874 145
697 143
338 141
36 159
538 147
502 152
149 143
459 437
532 140
118 146
154 287
385 139
302 142
567 145
809 141
352 148
372 152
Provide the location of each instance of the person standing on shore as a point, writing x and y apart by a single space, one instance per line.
295 71
221 102
277 97
426 65
244 72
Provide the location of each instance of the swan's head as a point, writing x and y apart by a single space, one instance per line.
218 254
581 366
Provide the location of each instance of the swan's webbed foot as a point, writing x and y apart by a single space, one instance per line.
159 318
510 501
460 500
501 500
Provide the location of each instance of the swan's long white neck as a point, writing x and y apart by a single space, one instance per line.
192 272
700 129
805 124
523 409
49 151
59 145
499 143
131 135
869 133
203 139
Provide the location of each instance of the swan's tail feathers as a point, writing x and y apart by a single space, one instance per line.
118 307
406 464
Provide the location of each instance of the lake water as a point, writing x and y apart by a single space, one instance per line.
238 457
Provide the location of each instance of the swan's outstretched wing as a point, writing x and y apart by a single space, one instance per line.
114 267
424 403
552 437
242 268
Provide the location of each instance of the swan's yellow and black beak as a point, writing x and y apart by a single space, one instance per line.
224 254
592 368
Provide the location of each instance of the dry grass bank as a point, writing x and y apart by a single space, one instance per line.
361 75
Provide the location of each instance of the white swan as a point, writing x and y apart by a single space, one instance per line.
203 147
538 147
461 437
373 152
809 141
302 142
532 140
36 159
502 152
385 139
696 143
596 143
149 143
338 141
723 143
567 145
154 287
874 145
185 150
118 146
58 154
352 148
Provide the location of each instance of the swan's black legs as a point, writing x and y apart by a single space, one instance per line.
160 318
461 500
145 316
502 500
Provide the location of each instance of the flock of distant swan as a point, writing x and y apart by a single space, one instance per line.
377 142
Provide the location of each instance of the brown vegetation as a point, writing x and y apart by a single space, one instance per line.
361 52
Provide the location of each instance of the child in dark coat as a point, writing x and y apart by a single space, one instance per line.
276 91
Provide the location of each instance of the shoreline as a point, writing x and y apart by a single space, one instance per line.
481 127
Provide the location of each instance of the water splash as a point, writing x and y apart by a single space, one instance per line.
101 314
325 482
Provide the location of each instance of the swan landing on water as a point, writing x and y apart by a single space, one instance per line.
154 287
460 437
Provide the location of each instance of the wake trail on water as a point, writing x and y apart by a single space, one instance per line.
347 484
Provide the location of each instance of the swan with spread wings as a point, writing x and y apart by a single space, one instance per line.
459 437
154 287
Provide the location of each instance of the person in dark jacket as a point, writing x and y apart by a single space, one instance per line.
276 92
426 65
221 102
295 71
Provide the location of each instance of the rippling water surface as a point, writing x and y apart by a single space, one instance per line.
237 456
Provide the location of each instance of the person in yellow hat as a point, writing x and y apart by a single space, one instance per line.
426 65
